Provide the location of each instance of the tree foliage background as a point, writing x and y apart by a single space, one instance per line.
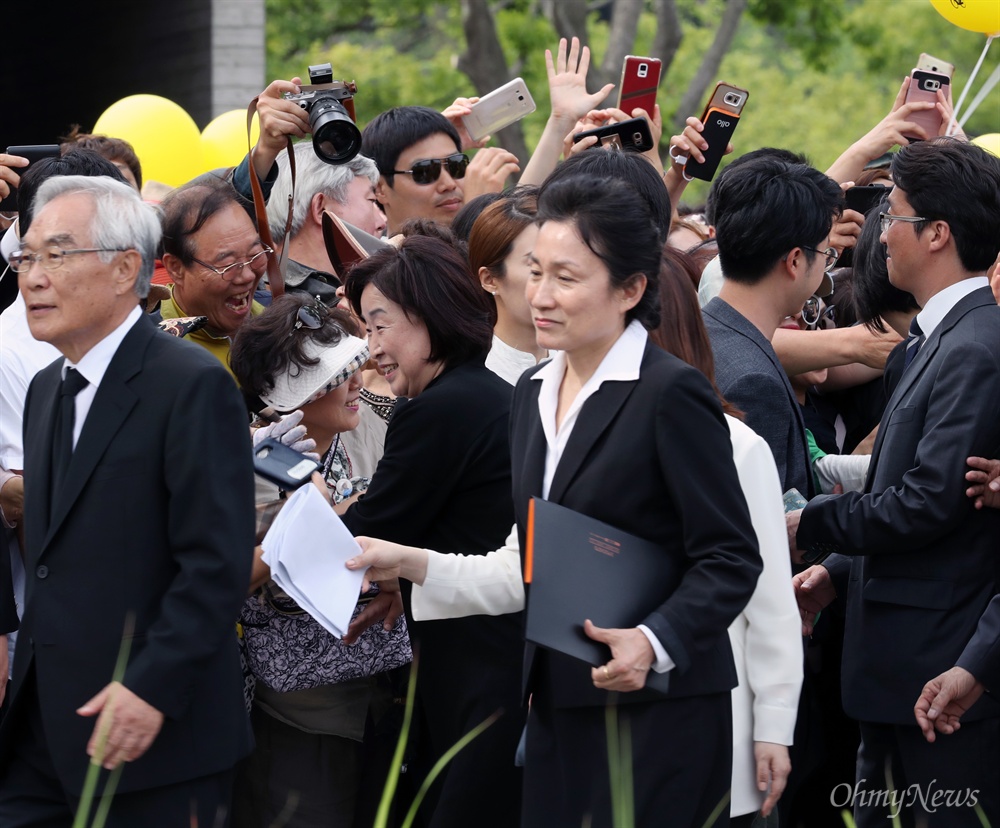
820 72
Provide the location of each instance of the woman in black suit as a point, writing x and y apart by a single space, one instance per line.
444 482
615 428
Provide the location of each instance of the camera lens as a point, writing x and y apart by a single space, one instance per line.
336 138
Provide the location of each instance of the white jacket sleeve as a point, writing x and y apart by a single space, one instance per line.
461 585
773 643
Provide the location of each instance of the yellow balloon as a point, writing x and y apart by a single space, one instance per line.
989 142
163 135
224 140
974 15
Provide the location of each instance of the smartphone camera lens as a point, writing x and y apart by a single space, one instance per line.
733 99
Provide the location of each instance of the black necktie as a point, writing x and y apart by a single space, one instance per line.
62 440
913 344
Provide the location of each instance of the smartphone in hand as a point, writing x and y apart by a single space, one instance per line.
720 119
924 86
33 152
500 108
639 83
632 134
283 466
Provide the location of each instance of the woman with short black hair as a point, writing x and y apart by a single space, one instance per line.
444 482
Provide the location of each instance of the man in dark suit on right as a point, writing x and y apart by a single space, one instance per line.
917 560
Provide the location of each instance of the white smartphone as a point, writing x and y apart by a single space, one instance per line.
500 108
929 63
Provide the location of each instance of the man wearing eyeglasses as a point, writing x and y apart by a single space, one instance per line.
129 548
215 258
773 222
914 558
422 168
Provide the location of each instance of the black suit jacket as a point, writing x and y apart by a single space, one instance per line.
155 522
654 458
444 483
923 561
981 655
749 375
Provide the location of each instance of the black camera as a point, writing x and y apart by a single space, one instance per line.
330 104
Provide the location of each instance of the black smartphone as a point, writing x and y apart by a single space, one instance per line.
283 466
33 152
720 119
864 200
632 134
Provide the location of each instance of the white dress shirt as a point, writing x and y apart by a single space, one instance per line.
23 357
943 301
507 362
93 365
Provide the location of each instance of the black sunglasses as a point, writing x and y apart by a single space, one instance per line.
310 316
428 170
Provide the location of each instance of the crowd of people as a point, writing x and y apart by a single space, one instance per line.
795 402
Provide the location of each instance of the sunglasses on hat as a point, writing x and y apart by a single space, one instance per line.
428 170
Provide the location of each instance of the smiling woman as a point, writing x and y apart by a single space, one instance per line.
444 482
314 692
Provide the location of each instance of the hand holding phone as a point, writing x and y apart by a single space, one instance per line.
283 466
639 83
924 87
721 117
500 108
632 134
33 153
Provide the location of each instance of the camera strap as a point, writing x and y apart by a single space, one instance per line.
275 263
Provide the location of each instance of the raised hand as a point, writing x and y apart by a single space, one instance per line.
568 82
455 112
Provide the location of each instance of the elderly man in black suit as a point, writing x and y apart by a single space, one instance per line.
917 560
773 223
139 522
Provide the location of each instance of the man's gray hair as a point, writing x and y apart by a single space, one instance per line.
121 218
312 175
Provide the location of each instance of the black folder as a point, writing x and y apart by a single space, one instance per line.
578 568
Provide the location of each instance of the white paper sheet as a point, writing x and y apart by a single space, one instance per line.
306 549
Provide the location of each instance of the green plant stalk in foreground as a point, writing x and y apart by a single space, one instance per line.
443 761
94 770
385 804
382 816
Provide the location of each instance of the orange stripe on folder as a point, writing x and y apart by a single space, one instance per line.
529 552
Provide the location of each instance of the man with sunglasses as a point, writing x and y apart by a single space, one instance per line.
423 172
914 558
773 220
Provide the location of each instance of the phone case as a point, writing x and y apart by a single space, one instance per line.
719 128
924 87
33 152
633 134
500 108
282 465
639 83
720 120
